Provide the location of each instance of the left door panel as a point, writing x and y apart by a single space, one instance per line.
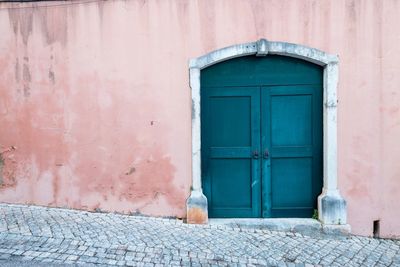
230 151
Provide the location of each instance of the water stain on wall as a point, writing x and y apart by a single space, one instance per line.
153 176
26 76
148 177
22 22
16 70
53 23
52 77
8 168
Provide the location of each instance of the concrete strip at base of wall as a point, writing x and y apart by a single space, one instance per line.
303 226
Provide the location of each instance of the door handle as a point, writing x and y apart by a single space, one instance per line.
255 154
266 154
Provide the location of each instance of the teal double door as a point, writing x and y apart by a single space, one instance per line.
262 137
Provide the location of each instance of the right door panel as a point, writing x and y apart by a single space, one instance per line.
291 139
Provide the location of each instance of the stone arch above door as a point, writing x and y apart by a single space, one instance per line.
331 206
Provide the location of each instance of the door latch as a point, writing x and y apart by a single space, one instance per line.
266 154
255 154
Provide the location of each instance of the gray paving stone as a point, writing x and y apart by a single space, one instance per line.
60 236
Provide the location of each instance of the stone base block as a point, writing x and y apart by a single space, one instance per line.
332 209
196 208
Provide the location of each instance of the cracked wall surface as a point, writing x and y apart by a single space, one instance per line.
95 98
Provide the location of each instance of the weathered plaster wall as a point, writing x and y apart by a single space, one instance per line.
95 102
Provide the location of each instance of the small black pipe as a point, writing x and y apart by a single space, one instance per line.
376 229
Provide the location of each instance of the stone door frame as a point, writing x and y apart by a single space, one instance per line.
331 205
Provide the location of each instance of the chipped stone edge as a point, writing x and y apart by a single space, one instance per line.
331 205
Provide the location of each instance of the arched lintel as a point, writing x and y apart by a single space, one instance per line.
263 47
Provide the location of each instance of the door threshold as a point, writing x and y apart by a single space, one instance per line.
304 226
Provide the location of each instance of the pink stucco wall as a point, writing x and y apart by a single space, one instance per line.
95 103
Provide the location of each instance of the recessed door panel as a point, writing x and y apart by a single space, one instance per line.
231 183
291 183
291 120
230 121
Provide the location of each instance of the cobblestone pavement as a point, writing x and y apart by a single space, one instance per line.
58 236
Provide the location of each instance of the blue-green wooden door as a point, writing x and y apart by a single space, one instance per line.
262 137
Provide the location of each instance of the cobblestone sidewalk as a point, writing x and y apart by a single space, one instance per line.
59 236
